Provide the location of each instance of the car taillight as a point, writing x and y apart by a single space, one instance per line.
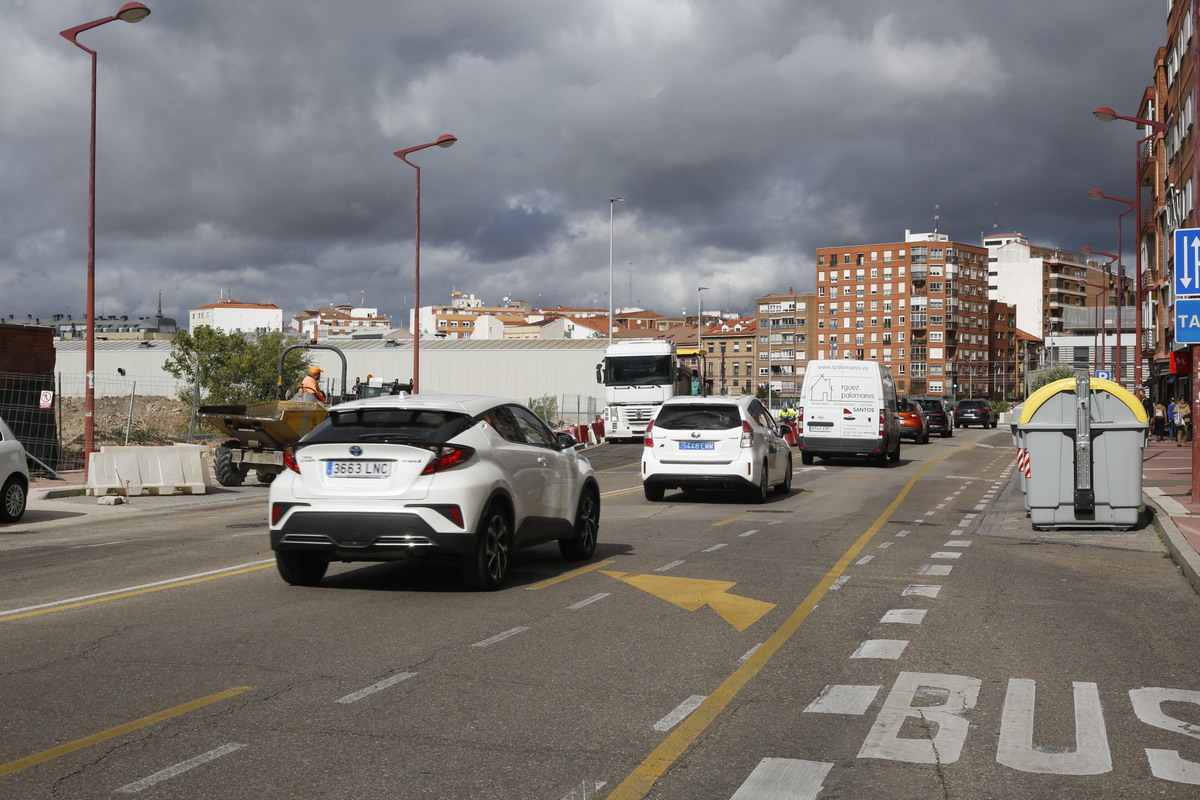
289 458
800 416
747 435
647 440
447 456
882 424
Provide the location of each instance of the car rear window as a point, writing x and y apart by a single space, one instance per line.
973 404
389 425
931 405
701 418
903 405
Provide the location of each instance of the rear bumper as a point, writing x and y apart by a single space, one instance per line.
820 446
686 481
382 536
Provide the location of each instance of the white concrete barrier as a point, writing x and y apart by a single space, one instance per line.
181 469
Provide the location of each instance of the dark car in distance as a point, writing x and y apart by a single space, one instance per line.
975 411
938 414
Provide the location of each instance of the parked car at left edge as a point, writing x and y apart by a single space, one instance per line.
14 476
460 478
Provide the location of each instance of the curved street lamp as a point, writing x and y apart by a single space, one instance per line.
445 140
130 12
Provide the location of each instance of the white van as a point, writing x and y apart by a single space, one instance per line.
848 408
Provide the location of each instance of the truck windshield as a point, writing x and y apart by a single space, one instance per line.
637 370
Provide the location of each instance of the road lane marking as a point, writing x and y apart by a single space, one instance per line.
179 769
958 543
920 590
586 790
118 594
679 714
905 616
784 779
890 649
692 594
120 730
354 697
499 637
621 491
593 599
748 533
839 583
935 569
568 575
946 555
639 782
714 547
864 560
731 519
669 566
850 700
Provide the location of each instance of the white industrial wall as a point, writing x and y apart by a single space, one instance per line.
519 369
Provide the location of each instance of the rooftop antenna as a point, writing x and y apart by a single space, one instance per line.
936 217
995 216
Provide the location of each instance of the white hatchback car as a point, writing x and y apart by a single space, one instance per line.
462 478
715 443
14 476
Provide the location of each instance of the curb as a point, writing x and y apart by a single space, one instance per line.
56 492
1181 551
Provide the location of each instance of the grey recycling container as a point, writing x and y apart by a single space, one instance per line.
1083 438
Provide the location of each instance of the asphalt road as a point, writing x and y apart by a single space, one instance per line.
893 632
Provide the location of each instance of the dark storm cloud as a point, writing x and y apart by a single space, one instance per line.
247 148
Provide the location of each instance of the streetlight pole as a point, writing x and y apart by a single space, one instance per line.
1106 114
699 349
1096 194
445 140
612 201
1104 307
130 12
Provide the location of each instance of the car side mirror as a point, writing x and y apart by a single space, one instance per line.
566 441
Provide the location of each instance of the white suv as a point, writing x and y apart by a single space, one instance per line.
715 443
462 478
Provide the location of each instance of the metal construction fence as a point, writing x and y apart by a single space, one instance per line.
47 414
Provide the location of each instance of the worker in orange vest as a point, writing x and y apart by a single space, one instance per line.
311 385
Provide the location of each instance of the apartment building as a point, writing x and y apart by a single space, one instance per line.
919 305
728 356
785 336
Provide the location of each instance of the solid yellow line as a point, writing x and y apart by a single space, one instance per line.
123 595
572 574
731 519
655 765
621 491
111 733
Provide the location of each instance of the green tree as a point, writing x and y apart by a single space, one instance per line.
1049 375
234 368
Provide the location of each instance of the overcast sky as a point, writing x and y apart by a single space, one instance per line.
246 147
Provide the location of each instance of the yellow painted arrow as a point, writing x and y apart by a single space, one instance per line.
691 594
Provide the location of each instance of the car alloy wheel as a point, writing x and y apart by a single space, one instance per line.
486 569
582 545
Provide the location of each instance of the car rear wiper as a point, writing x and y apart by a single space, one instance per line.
390 438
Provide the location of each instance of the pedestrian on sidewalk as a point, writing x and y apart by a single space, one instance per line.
1171 417
1159 417
1183 418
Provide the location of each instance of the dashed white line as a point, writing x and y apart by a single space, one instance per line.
881 648
843 699
840 582
748 533
784 779
501 636
370 690
714 547
905 616
958 543
178 769
666 567
588 601
935 569
946 555
680 713
864 560
921 590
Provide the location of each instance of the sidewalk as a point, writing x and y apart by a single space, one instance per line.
1167 492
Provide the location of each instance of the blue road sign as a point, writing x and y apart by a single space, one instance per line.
1187 320
1187 262
1104 374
